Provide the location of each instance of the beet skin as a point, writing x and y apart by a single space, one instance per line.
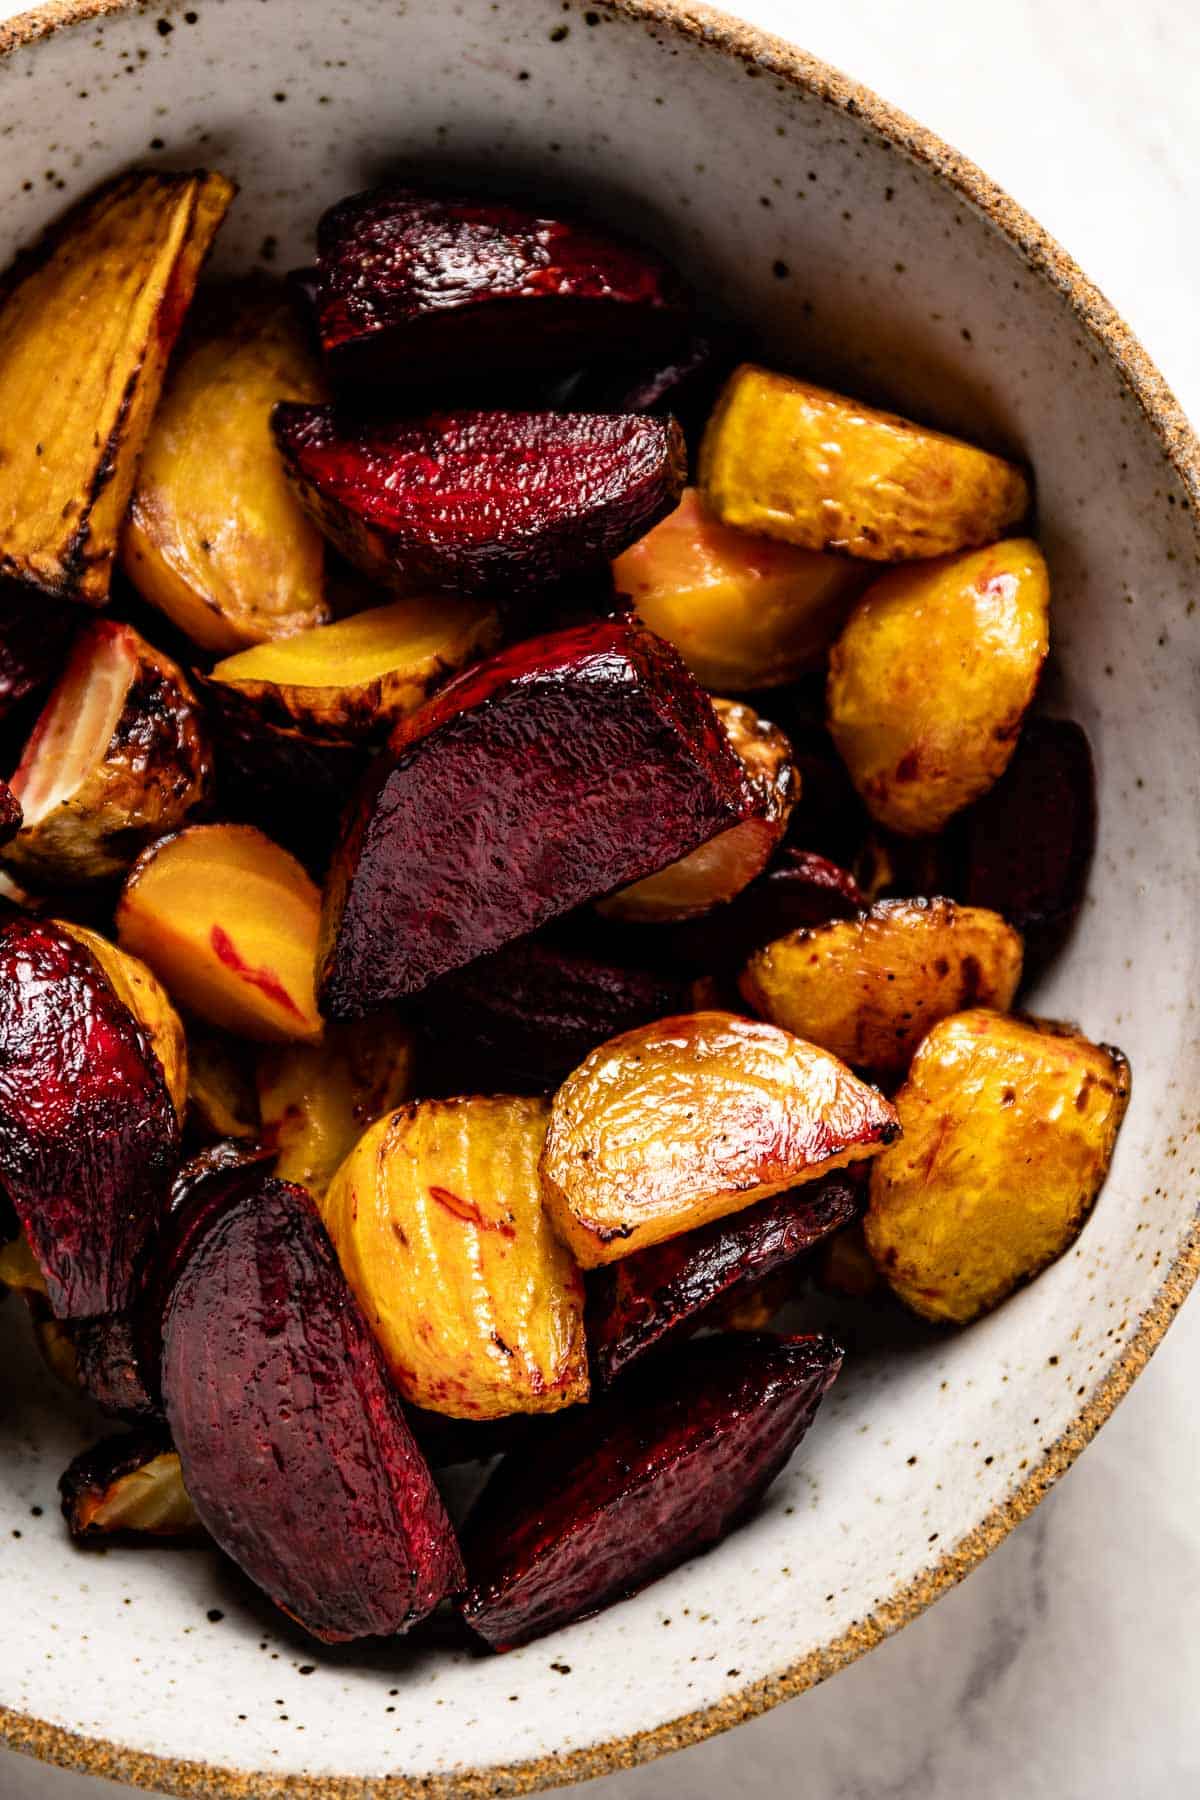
295 1448
656 1472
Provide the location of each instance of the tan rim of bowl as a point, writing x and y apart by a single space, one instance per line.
717 31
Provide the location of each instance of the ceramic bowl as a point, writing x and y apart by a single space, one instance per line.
868 254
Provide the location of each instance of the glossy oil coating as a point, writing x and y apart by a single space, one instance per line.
481 503
316 1100
293 1443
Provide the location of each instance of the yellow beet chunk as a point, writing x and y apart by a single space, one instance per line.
869 988
85 332
357 677
222 1097
316 1100
437 1218
1009 1128
720 869
930 680
824 471
228 921
691 1118
743 611
215 537
137 988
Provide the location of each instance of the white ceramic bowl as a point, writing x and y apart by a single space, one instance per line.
868 254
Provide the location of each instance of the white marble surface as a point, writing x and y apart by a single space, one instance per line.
1067 1667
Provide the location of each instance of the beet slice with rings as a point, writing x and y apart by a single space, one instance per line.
294 1445
481 503
412 285
558 771
639 1304
88 1135
660 1469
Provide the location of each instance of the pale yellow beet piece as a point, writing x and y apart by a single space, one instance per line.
870 987
316 1100
744 611
1009 1126
437 1218
931 678
824 471
138 989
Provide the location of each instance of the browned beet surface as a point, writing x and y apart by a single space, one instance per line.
93 1474
88 1134
560 770
657 1471
799 888
482 502
294 1444
112 1365
637 1305
413 284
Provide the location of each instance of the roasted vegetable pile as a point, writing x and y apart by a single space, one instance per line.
488 923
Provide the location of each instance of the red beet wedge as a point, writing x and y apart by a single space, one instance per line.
294 1445
413 285
88 1134
494 503
560 770
800 888
639 1304
653 1474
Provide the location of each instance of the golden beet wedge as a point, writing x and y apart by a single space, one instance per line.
85 332
691 1118
821 470
930 680
720 869
869 988
215 537
119 756
138 989
228 921
356 678
744 611
1009 1128
316 1100
437 1218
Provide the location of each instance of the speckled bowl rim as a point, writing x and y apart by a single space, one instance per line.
775 57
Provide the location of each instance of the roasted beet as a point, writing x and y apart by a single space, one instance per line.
10 813
800 888
552 774
481 503
294 1445
636 1305
88 1134
113 1367
412 285
1027 845
128 1489
531 1011
684 382
653 1474
34 634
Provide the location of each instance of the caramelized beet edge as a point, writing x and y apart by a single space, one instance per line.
294 1445
88 1134
660 1469
95 1471
640 1303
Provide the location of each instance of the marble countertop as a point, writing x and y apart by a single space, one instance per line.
1066 1668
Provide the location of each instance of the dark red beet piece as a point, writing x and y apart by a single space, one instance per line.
651 1475
294 1444
561 769
800 888
639 1304
88 1134
34 634
412 283
491 503
1028 844
111 1361
10 813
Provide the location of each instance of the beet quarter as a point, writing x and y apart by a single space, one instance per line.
550 775
294 1445
654 1474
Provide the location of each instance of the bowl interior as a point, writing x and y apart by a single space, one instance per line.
859 264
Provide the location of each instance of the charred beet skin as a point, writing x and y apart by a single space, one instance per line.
558 771
637 1305
656 1472
88 1134
481 503
413 284
128 1489
800 888
294 1445
1027 845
